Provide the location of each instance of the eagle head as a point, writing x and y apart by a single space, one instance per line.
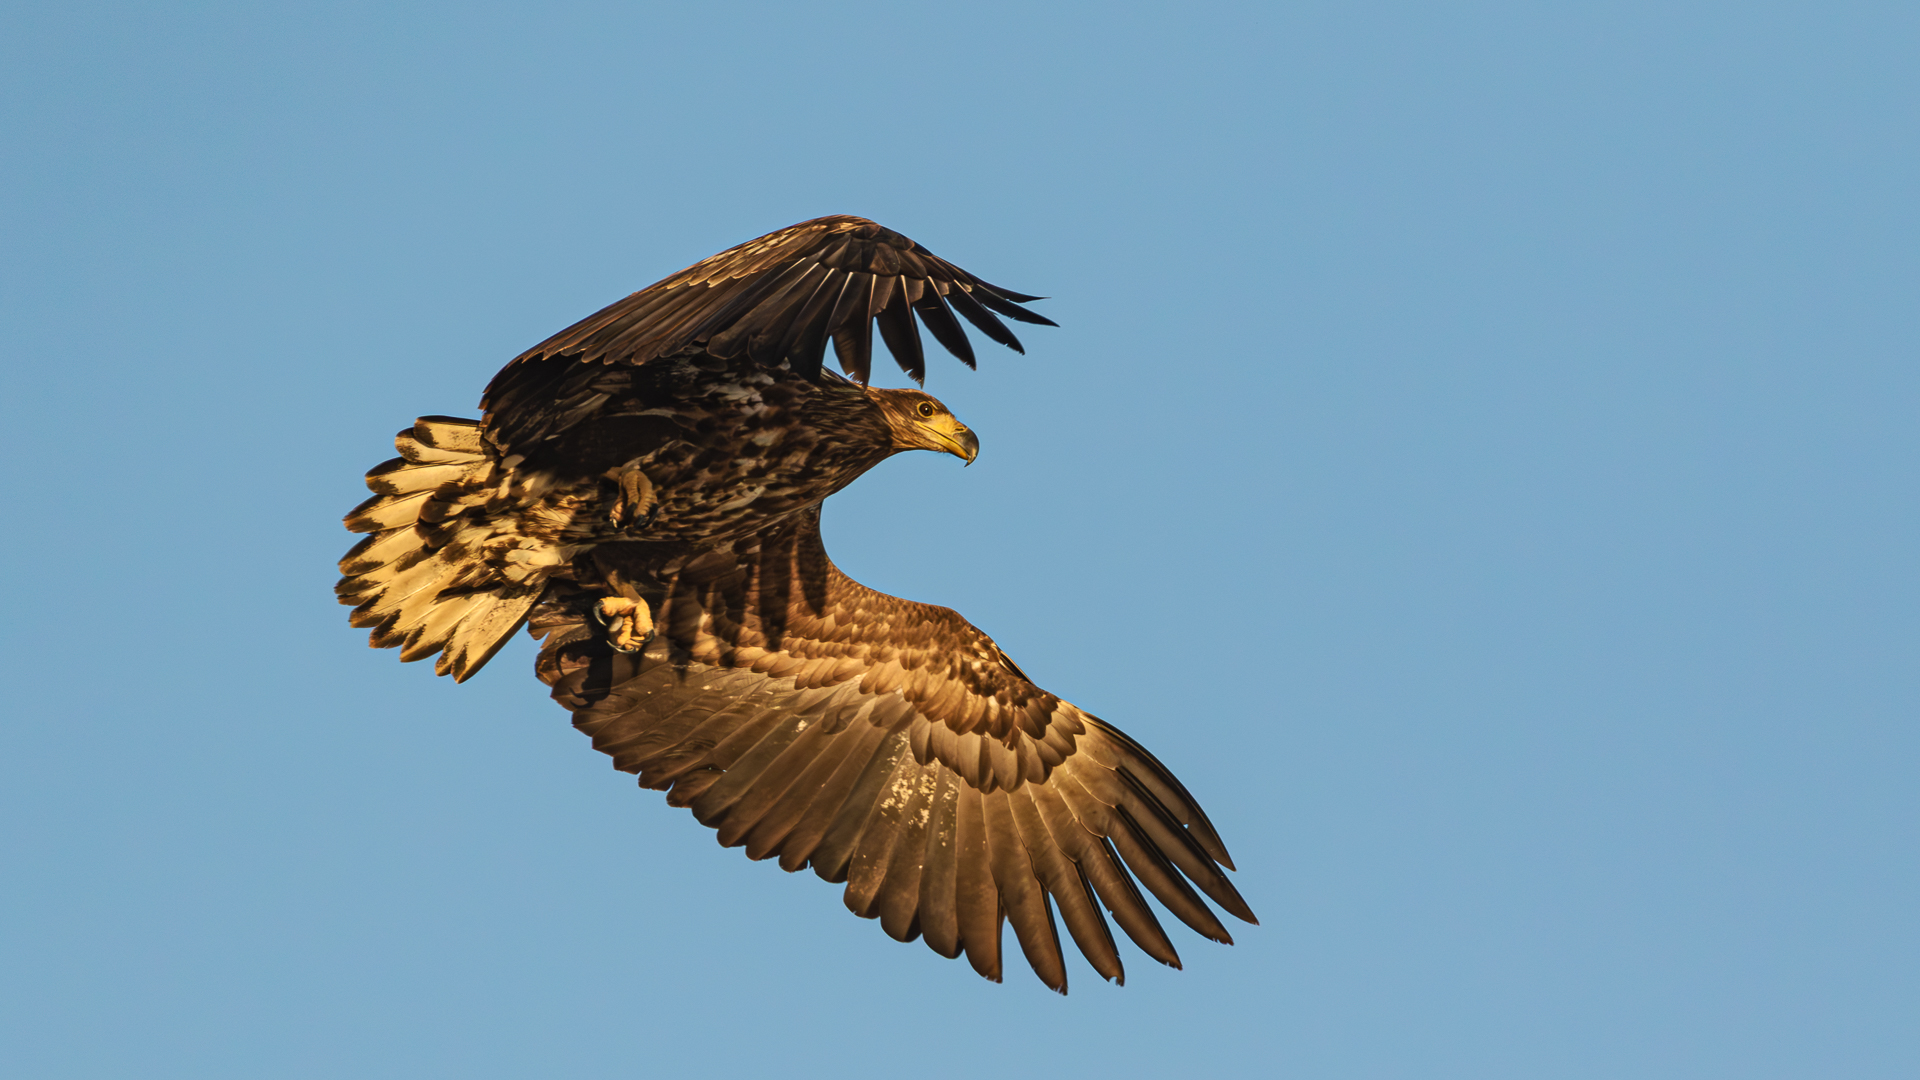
919 422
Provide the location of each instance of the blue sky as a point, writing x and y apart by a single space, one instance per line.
1478 455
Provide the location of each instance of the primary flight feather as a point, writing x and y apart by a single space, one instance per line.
643 492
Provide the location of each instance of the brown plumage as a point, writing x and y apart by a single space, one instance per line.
777 299
646 488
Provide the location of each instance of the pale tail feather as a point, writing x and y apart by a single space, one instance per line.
419 580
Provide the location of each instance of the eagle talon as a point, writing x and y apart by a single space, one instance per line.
635 506
628 623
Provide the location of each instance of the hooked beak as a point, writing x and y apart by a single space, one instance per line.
961 442
966 445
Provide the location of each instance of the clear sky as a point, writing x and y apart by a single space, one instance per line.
1478 455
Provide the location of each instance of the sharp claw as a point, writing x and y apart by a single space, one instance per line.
620 618
635 505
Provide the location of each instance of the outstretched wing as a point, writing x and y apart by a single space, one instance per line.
778 298
891 746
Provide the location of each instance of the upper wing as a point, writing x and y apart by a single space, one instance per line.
780 297
889 745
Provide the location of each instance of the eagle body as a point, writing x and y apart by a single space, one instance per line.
727 448
730 446
643 492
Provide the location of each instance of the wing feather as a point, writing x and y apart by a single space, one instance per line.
1022 894
811 816
835 851
776 299
750 804
715 805
983 320
852 328
935 314
939 866
1053 863
902 336
1152 868
976 899
1103 872
898 903
890 746
1003 301
872 853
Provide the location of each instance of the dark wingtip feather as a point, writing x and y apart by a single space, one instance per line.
944 327
983 320
992 297
1016 297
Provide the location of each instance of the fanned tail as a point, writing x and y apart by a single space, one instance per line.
421 580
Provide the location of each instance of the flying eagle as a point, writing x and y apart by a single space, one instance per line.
643 493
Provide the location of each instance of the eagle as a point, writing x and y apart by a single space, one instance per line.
642 492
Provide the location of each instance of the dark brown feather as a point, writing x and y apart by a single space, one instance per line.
897 902
983 320
1025 901
1165 835
1053 863
976 899
939 916
776 299
1151 867
897 329
1101 870
947 795
835 852
945 328
814 810
1001 300
885 826
750 802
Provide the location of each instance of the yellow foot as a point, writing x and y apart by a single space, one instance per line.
628 623
636 504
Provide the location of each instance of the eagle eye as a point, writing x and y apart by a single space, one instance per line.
925 410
